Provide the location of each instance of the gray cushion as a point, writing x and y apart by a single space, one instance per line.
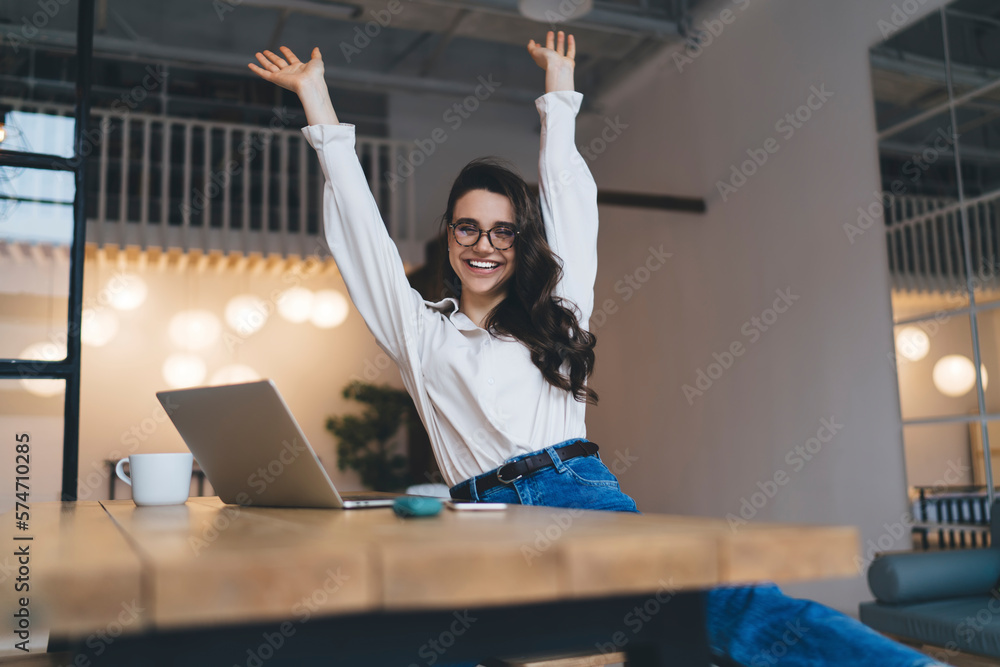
915 577
970 624
995 522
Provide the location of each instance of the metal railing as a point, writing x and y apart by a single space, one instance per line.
170 182
925 242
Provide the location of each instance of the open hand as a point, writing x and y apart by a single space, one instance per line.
292 74
557 58
553 54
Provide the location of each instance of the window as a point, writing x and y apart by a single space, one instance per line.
936 85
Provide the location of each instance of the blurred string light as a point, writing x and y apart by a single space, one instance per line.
44 351
182 369
246 314
194 329
295 304
100 326
954 375
913 343
329 309
126 291
326 308
234 374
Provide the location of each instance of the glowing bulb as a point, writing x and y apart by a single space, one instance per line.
100 326
954 375
126 291
295 304
329 309
246 314
194 329
182 370
913 343
234 374
44 351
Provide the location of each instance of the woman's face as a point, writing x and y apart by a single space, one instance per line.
484 209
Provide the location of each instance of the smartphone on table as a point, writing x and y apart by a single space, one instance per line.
461 506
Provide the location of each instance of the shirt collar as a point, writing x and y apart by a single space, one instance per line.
449 308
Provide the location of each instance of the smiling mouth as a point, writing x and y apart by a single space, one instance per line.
481 266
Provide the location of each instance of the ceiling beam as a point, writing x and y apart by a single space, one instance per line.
326 10
410 49
442 43
602 20
635 23
196 59
279 27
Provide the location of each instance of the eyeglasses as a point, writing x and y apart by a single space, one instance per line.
501 237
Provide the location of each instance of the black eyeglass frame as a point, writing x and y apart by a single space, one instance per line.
489 235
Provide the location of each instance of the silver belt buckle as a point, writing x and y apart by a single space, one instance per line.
506 481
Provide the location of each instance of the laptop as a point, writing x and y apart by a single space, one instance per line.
252 450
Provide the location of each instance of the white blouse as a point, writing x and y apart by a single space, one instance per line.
481 398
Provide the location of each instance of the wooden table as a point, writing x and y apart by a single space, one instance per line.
214 584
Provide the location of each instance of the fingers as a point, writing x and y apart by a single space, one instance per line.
263 73
316 55
564 44
268 65
275 58
292 58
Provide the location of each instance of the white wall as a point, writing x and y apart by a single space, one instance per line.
826 356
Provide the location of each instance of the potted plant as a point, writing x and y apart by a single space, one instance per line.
370 443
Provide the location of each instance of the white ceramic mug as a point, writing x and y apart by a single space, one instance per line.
157 479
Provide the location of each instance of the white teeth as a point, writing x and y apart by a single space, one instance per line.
484 265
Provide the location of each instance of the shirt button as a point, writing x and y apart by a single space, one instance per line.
490 380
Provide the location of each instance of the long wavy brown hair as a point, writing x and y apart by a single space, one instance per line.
546 324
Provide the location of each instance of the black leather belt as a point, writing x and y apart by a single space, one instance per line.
510 472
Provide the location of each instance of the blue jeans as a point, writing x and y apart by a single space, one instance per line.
752 626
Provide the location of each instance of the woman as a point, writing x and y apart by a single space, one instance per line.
502 369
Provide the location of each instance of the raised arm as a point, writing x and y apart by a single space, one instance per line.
567 191
365 254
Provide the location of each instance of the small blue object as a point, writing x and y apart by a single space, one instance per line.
410 506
